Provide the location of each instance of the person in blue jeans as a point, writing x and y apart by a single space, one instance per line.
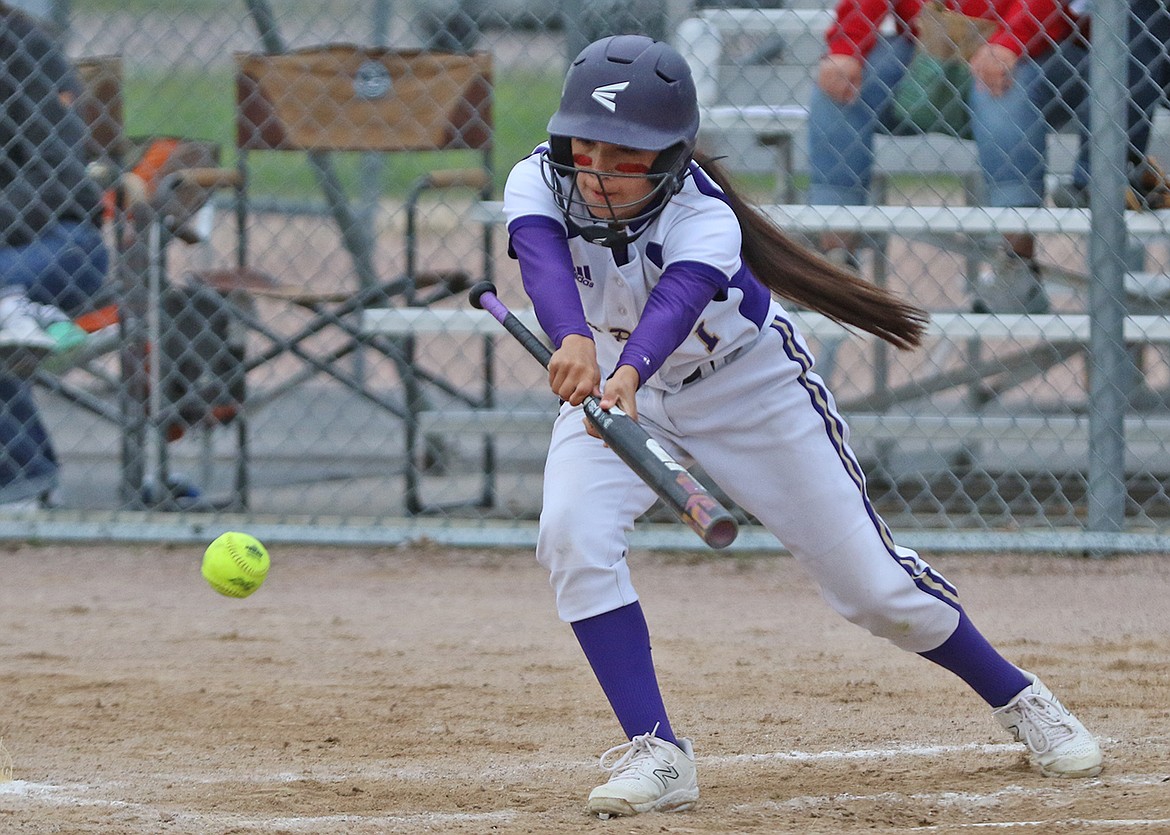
53 260
62 270
853 99
1147 78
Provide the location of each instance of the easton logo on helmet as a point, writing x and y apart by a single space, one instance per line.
606 95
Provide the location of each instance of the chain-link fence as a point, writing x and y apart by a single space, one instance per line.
277 175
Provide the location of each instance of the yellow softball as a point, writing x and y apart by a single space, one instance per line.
235 564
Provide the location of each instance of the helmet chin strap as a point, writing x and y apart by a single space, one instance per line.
611 235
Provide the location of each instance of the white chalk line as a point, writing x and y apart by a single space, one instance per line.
74 795
506 768
965 800
77 794
972 801
867 754
1096 823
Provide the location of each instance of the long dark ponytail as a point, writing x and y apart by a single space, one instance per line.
794 272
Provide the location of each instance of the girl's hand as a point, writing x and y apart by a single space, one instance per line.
572 372
994 66
619 391
839 76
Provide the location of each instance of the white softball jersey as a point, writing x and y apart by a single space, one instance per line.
693 227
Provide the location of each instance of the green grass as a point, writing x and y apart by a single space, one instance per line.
193 104
200 105
206 9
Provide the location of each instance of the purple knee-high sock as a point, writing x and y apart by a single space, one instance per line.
617 645
968 655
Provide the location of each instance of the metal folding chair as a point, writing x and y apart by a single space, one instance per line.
324 102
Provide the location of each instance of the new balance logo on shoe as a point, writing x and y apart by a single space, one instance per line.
606 95
666 775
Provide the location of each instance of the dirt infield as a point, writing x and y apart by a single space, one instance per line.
426 690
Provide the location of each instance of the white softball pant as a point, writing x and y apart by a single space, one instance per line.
765 428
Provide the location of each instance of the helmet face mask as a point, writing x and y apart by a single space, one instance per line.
633 92
609 220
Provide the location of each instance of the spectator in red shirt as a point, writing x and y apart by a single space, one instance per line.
852 101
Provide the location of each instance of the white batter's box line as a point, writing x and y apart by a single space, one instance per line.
866 753
961 800
356 823
1091 824
66 795
508 768
80 795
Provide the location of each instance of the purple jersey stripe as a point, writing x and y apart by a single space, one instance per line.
924 577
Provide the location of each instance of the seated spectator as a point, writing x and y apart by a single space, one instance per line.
52 257
1148 80
853 97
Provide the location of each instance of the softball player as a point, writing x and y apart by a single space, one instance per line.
646 270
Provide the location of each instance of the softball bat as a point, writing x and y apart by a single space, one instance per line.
680 491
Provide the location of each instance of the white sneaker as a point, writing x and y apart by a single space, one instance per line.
19 324
64 332
1056 740
650 775
29 331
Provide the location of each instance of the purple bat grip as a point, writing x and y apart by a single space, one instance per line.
492 304
483 296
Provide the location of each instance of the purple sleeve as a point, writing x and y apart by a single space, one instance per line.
546 268
672 309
